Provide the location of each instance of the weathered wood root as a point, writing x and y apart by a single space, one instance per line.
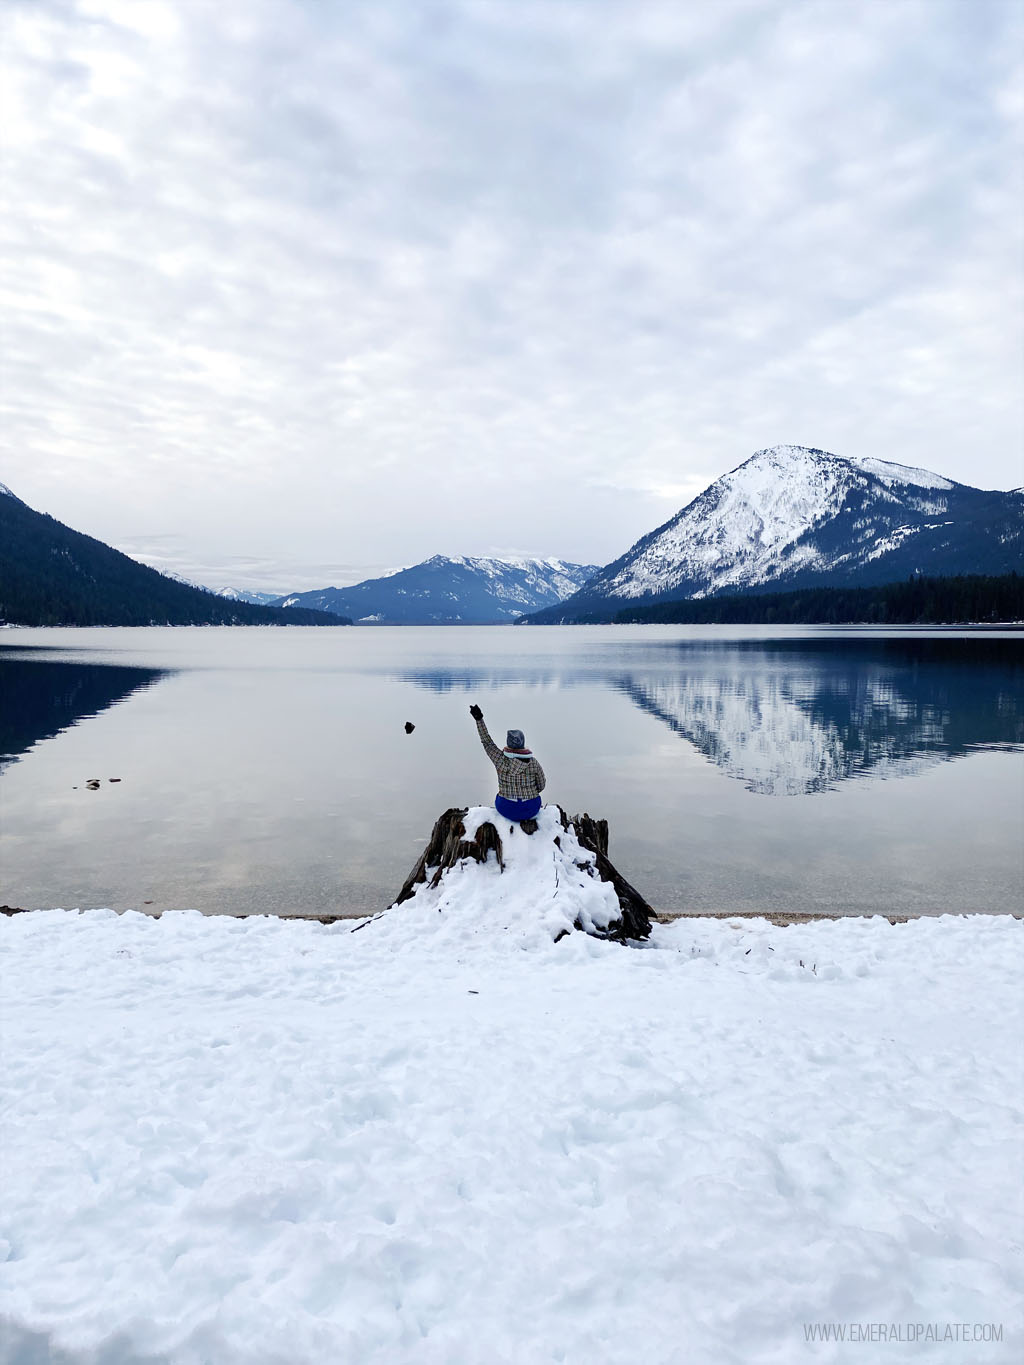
636 913
591 833
447 846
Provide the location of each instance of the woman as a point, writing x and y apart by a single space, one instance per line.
520 777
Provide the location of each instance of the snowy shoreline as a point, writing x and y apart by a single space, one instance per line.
780 919
240 1141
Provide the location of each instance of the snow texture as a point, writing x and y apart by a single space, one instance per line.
263 1142
6 492
259 599
179 578
902 474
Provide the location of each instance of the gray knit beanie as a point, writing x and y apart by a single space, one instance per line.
515 739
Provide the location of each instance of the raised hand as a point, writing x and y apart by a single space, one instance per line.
475 712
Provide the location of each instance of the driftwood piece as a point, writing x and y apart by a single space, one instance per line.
447 846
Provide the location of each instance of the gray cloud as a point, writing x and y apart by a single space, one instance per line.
310 285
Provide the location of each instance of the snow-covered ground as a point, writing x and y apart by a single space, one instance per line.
237 1142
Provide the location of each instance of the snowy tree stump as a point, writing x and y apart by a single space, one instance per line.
448 846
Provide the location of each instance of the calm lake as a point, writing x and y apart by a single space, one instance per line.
740 768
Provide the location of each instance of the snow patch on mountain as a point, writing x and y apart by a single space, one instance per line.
6 492
259 599
519 580
902 473
897 537
180 578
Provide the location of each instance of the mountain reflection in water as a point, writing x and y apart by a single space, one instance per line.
40 698
797 716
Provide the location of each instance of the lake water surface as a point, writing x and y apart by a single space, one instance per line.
740 768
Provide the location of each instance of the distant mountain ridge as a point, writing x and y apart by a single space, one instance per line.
794 517
51 575
451 590
258 599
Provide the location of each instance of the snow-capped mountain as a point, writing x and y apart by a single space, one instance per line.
452 591
5 492
259 599
793 517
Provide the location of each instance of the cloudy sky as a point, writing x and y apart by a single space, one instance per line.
294 291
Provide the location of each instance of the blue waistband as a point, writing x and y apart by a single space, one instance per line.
517 810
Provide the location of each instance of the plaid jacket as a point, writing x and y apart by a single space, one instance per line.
519 779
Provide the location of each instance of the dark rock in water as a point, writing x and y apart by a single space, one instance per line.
448 846
409 727
113 779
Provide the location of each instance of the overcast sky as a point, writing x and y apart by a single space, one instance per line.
295 291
